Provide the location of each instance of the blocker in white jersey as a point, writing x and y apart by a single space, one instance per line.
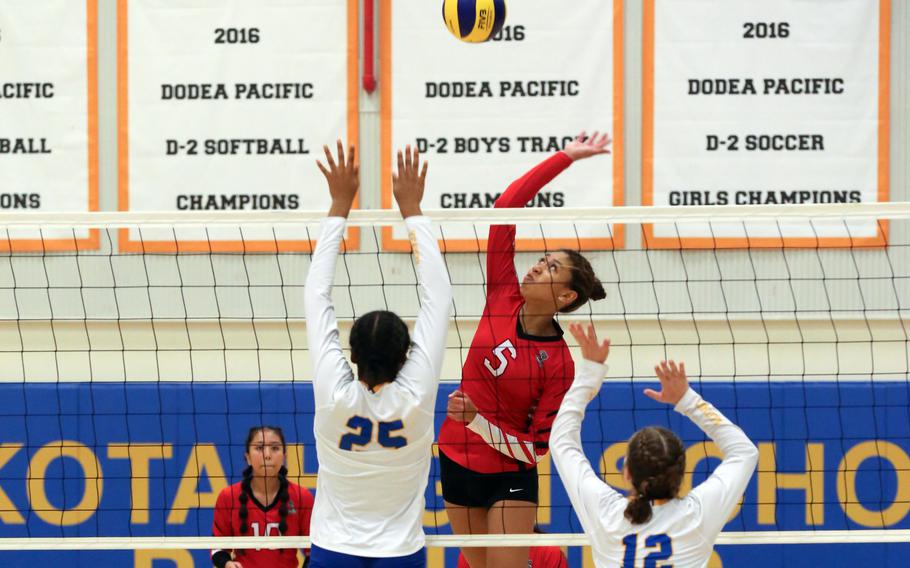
374 428
653 526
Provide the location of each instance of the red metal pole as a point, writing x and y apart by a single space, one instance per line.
369 78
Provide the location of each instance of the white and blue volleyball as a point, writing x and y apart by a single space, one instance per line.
474 21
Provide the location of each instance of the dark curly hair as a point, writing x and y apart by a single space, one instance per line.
584 282
379 346
656 461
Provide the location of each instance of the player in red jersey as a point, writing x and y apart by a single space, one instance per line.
264 504
514 378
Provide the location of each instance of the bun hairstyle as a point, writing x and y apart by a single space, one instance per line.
379 346
656 461
246 486
583 282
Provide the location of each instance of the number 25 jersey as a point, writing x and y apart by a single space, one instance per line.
374 447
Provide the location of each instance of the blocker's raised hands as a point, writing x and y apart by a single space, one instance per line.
673 383
343 178
408 183
585 146
587 340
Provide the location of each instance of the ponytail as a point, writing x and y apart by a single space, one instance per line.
638 510
583 282
656 463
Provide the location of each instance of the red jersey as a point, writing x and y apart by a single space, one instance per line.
516 380
540 557
263 521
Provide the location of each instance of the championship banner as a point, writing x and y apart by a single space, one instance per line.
77 465
484 114
778 103
225 105
48 118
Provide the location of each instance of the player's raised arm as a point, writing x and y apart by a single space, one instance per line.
588 494
720 493
424 364
329 364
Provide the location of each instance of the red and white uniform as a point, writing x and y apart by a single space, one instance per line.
263 520
517 381
540 557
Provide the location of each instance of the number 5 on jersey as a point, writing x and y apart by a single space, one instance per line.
363 434
498 351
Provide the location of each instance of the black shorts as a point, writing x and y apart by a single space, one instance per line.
461 486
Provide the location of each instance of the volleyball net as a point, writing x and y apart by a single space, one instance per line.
138 349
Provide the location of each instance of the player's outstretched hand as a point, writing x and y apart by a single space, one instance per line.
585 146
460 407
673 383
343 177
587 340
408 183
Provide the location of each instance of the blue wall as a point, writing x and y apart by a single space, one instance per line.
838 419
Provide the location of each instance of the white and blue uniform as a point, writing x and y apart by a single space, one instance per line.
374 448
681 531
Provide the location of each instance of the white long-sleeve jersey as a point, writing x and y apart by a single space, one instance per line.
682 531
374 448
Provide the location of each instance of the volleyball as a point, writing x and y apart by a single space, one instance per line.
474 21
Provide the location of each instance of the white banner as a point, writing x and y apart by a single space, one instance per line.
225 105
48 117
484 114
772 102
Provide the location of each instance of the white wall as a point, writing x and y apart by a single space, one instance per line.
659 301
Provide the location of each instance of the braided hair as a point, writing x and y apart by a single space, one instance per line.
583 281
656 461
379 347
283 498
246 489
246 486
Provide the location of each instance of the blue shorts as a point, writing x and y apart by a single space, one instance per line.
322 558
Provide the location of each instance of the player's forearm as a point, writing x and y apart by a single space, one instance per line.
526 187
322 264
723 489
582 484
730 439
320 314
516 445
435 288
431 328
565 436
340 207
565 440
570 460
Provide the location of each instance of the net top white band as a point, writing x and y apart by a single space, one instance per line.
445 541
370 217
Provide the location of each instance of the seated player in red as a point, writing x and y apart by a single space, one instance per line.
264 504
514 378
